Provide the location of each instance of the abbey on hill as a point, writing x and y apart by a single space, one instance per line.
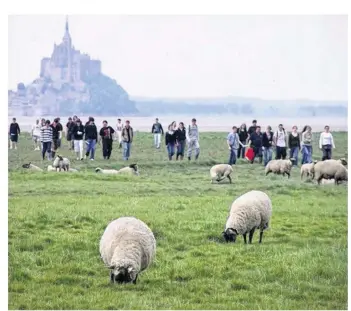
70 82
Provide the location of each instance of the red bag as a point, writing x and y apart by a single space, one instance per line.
249 155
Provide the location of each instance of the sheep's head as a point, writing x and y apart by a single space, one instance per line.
97 170
123 275
134 166
343 161
26 165
230 235
60 157
315 162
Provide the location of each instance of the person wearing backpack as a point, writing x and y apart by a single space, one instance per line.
193 139
280 141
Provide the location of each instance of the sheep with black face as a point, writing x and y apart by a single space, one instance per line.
248 212
32 167
127 247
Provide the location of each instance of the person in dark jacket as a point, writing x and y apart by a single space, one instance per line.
180 140
56 136
267 145
243 136
157 130
106 134
252 129
255 143
78 134
294 144
170 139
14 132
91 137
69 129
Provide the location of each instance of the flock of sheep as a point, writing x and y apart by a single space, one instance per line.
128 246
328 171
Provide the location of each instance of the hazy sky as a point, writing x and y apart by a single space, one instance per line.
271 57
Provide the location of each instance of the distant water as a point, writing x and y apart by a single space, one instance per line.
206 123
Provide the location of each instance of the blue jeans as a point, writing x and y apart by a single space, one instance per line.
91 143
294 153
170 149
126 150
306 154
232 156
181 148
267 155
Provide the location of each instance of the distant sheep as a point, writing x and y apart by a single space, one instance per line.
248 212
307 169
100 170
32 167
61 163
131 169
52 169
127 247
220 171
279 167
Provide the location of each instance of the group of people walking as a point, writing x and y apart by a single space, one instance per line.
176 139
263 143
47 137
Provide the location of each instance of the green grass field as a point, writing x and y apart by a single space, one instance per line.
56 221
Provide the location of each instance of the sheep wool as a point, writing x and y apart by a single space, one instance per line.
221 171
279 167
127 247
307 169
252 210
328 168
32 167
341 174
100 170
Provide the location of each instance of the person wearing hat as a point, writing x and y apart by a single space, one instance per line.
193 139
91 137
46 139
78 134
127 138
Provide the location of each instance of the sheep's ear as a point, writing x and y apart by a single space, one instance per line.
112 267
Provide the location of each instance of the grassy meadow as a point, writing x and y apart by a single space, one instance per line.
56 221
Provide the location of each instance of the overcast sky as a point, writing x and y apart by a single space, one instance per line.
271 57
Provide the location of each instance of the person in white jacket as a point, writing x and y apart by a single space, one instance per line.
36 134
326 143
119 128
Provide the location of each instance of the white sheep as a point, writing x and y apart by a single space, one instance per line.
52 169
100 170
61 163
131 169
248 212
220 171
32 167
307 169
328 168
279 167
127 247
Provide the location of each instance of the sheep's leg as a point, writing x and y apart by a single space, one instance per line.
230 179
261 236
252 231
135 280
302 174
268 173
244 235
319 179
287 174
112 277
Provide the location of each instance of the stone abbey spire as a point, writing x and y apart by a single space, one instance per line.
67 41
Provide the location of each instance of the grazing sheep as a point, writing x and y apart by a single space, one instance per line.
279 167
61 163
248 212
127 247
328 168
51 168
221 171
32 167
100 170
131 169
307 169
341 174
